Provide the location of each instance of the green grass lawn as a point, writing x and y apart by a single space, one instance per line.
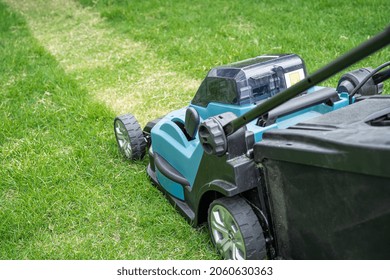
196 35
65 193
67 68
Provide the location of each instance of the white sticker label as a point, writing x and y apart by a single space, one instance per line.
294 77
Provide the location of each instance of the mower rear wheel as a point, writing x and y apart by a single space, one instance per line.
129 136
235 229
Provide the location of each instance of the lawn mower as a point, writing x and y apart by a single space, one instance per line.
277 166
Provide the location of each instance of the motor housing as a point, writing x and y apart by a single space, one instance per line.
349 81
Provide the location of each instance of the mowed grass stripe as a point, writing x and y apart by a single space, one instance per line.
125 75
197 35
64 191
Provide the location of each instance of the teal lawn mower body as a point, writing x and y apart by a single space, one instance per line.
277 166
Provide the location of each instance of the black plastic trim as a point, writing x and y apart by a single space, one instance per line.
148 127
169 171
324 95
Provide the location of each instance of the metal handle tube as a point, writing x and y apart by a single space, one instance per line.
365 49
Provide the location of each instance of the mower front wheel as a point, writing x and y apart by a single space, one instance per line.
235 229
129 136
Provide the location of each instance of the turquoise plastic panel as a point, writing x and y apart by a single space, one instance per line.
170 142
173 188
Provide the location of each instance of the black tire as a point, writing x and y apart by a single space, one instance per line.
129 137
235 229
